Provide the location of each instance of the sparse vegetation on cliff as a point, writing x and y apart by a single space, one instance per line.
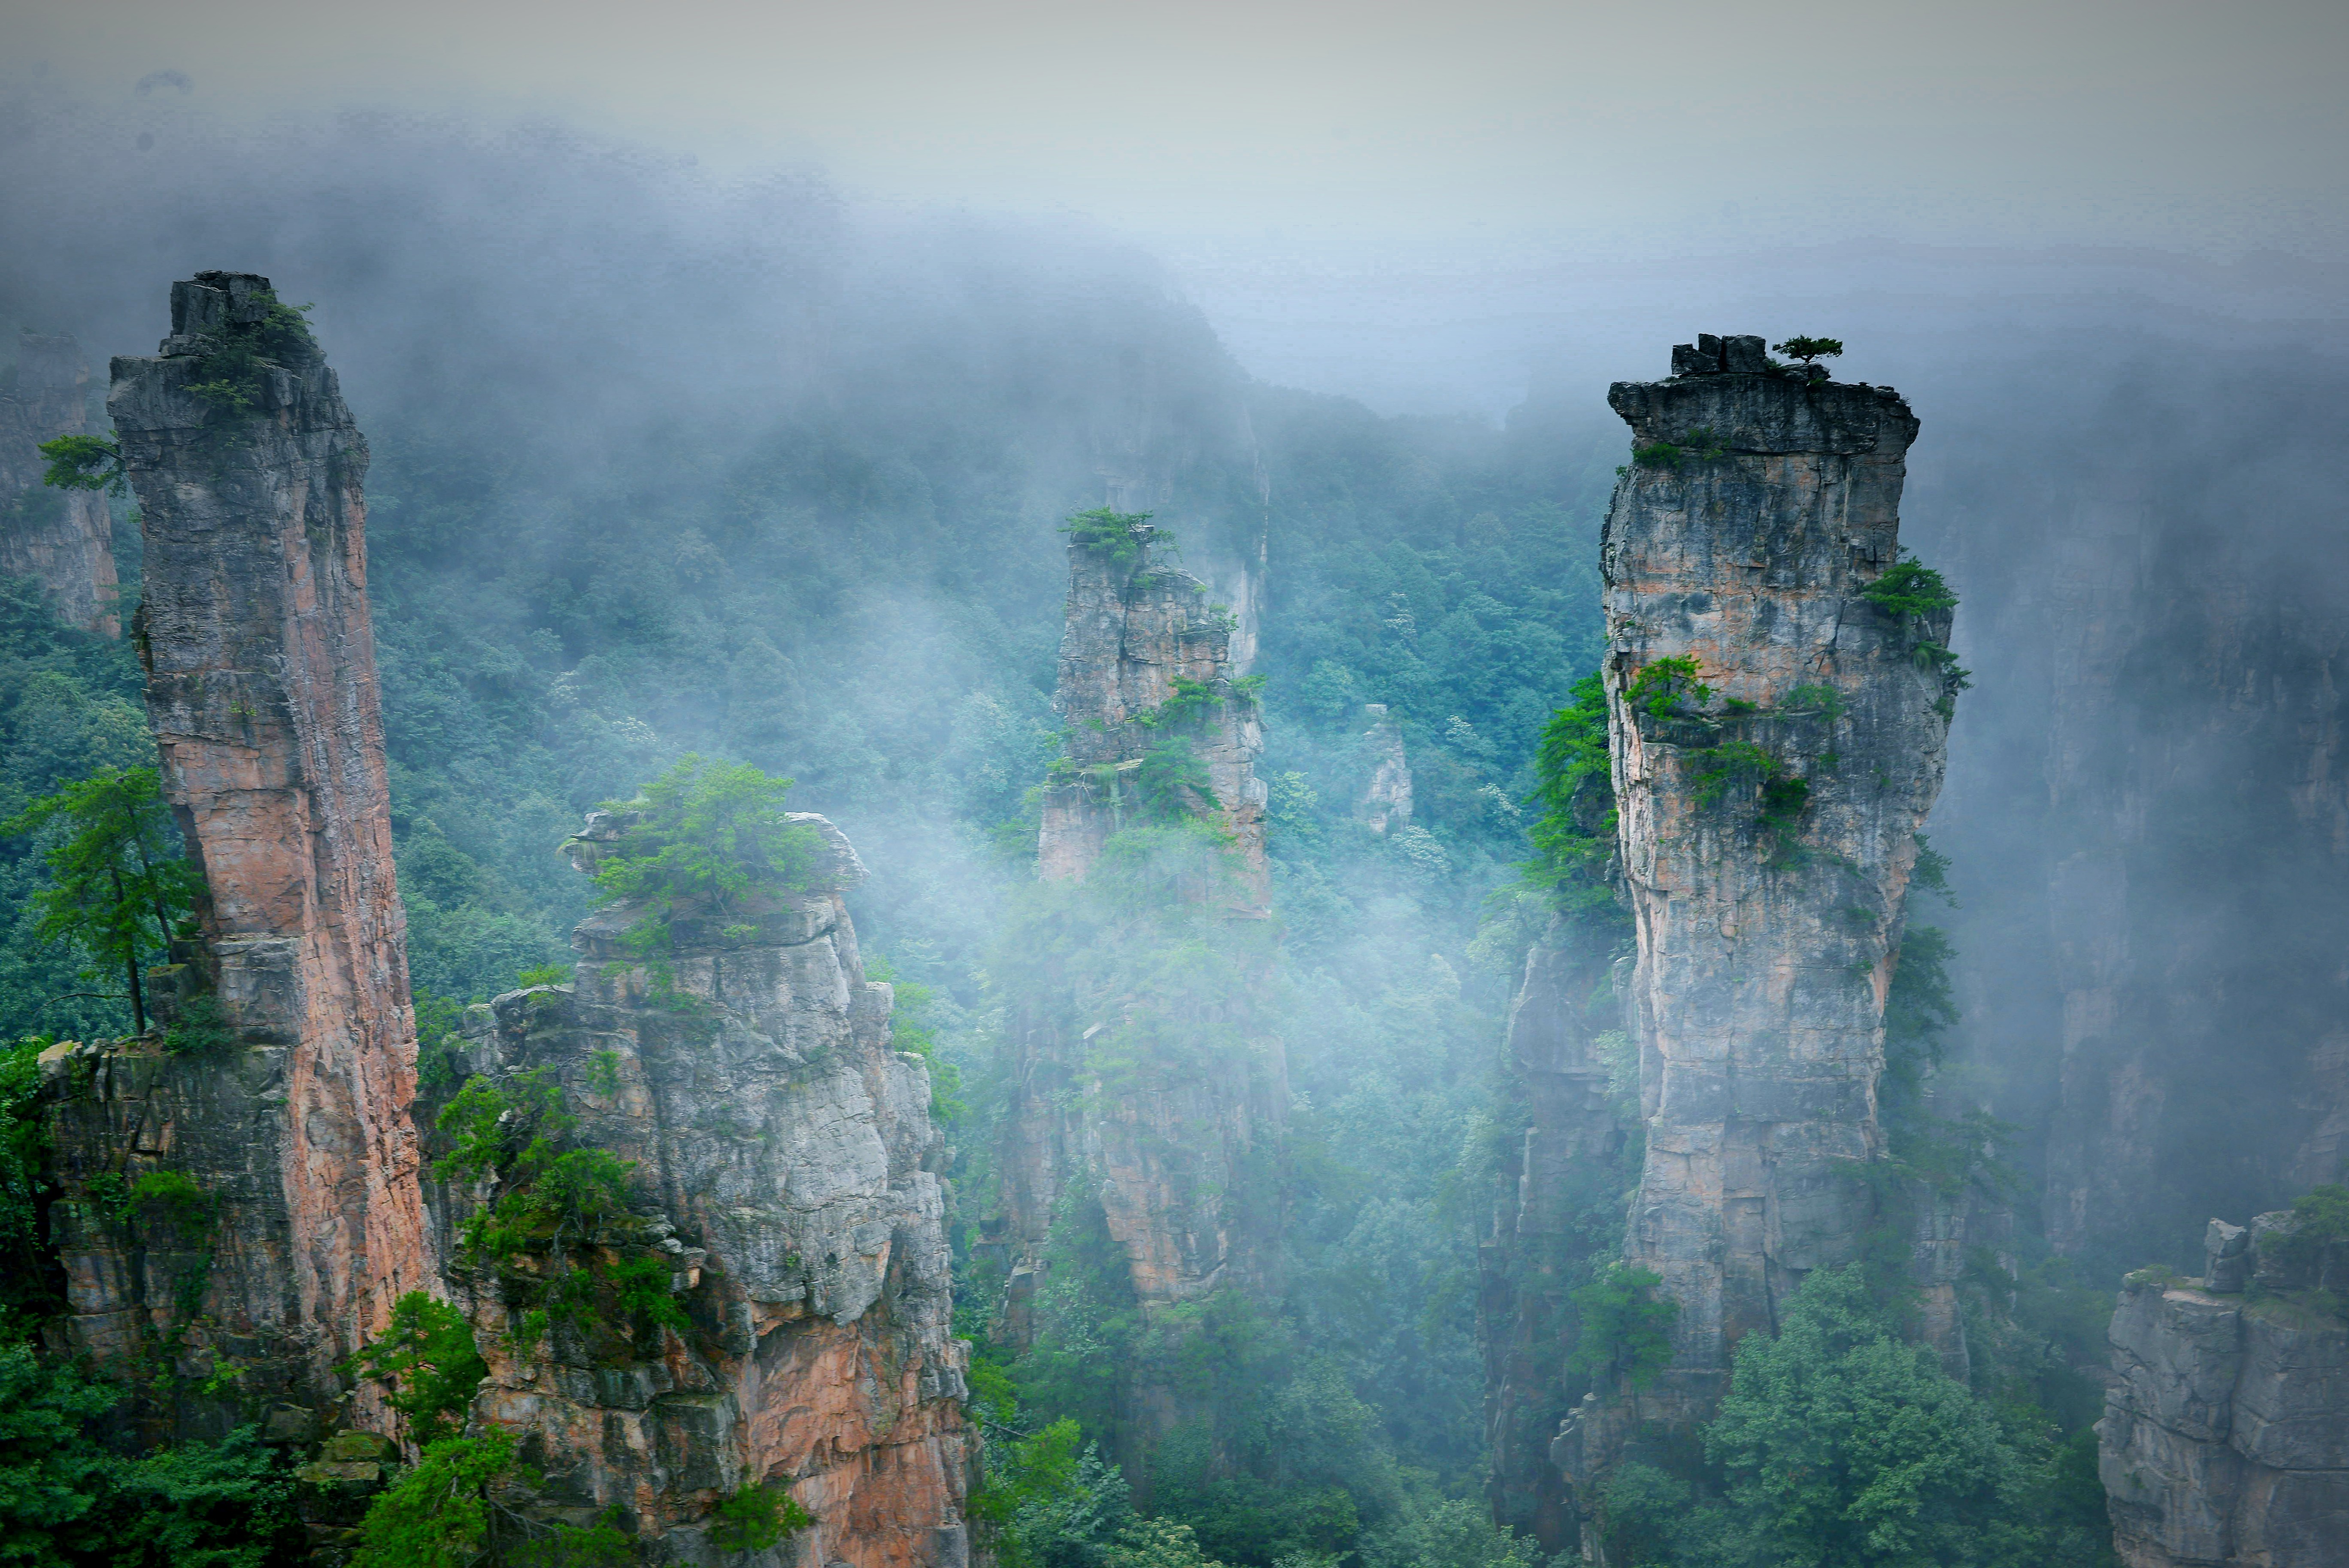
1125 538
233 369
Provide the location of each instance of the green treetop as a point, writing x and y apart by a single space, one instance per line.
707 834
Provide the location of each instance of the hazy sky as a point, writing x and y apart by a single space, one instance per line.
1466 125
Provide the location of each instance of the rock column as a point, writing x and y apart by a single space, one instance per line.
261 685
785 1167
63 539
1771 791
1133 629
1170 1157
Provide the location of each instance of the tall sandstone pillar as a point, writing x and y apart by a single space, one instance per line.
63 539
1169 1156
261 687
1767 830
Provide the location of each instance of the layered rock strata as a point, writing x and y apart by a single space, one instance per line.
1770 791
2225 1440
1168 1157
63 539
261 687
785 1169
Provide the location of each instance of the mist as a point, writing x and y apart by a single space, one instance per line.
761 450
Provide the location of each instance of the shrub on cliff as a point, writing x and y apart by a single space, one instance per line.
1125 538
707 836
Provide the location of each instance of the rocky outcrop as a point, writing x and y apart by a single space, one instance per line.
1146 681
63 539
2225 1440
1385 801
1134 629
1770 789
786 1174
1562 1202
261 687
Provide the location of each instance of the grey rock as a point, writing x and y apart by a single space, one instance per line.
2225 1438
1757 995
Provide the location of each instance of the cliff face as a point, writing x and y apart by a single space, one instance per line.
62 539
261 687
1560 1204
787 1156
1768 828
1167 1155
2225 1441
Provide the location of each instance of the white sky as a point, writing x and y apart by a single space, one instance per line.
1379 198
1464 125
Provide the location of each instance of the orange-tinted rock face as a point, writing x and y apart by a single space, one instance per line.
260 686
62 539
788 1152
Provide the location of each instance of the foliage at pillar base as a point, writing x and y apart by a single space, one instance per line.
1839 1445
69 1502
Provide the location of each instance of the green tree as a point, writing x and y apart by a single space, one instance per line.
1623 1329
427 1357
1808 349
1845 1448
438 1514
83 463
1574 836
51 1475
117 890
756 1518
704 834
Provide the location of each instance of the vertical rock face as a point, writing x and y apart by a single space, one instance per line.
61 538
1768 829
260 686
1167 1158
2225 1441
1565 1182
1133 628
785 1165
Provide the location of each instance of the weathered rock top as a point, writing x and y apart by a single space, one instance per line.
1725 393
153 393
